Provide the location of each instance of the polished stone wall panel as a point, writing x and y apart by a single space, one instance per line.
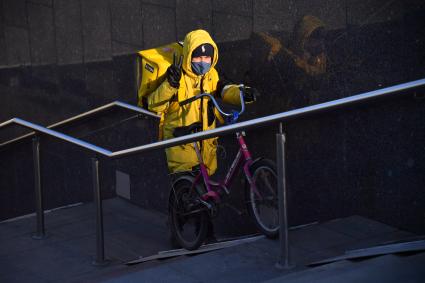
43 2
72 82
373 11
162 3
100 85
331 12
122 48
273 15
241 27
15 13
42 34
96 23
234 63
158 21
17 44
191 15
126 25
3 49
68 29
125 78
238 7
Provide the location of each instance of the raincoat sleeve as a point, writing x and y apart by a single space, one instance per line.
228 91
230 94
158 100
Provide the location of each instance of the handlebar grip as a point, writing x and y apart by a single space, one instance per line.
189 100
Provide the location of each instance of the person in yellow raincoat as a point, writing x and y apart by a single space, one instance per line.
193 74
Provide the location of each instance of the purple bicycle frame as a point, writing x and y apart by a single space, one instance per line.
242 157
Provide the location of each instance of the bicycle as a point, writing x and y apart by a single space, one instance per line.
195 197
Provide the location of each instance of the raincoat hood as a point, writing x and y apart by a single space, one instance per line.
192 41
303 29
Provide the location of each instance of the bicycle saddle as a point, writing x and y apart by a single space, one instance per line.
185 130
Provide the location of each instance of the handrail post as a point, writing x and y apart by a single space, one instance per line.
283 260
39 209
100 246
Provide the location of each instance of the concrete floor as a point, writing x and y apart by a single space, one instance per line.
70 247
67 253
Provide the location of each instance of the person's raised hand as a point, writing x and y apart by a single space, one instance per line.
174 71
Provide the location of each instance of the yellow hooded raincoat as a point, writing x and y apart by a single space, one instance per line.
164 101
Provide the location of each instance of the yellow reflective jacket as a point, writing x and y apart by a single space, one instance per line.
165 101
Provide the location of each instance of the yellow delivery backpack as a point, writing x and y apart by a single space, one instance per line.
152 66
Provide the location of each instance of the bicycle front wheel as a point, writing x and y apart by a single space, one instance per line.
263 205
188 219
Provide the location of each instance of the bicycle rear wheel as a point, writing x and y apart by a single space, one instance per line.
264 207
188 219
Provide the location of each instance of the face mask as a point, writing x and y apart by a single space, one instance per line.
200 68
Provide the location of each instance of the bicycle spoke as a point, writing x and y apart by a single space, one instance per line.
267 181
265 208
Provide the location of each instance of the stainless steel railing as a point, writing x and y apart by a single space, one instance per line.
53 133
280 117
280 138
84 115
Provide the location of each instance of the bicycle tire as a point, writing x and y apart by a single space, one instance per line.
187 237
264 168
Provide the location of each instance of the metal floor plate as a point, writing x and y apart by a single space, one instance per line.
202 249
403 247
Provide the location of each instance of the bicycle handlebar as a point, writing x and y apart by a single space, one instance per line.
233 115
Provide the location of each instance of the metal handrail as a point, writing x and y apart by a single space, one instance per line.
56 134
85 115
272 118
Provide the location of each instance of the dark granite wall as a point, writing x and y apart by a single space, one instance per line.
60 58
